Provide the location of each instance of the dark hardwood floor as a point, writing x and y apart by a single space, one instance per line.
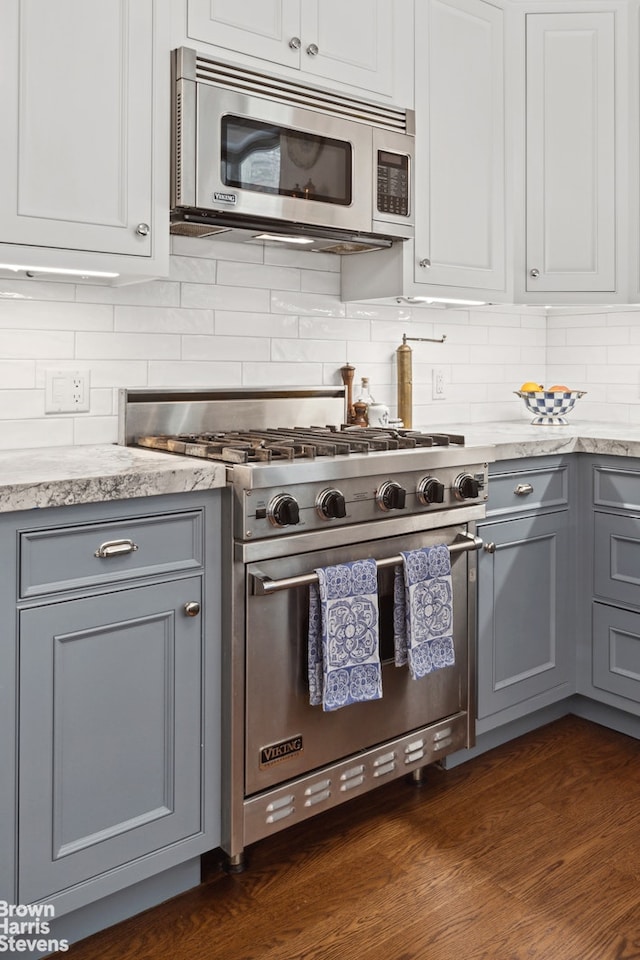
530 852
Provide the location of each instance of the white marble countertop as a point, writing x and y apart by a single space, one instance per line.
56 476
518 438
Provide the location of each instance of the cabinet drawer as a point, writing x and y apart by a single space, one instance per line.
617 558
616 651
517 492
615 487
66 558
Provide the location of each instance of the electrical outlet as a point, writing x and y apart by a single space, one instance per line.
66 391
80 390
439 391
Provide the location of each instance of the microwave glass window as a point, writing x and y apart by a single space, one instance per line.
267 158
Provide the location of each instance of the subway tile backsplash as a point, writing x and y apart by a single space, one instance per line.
233 315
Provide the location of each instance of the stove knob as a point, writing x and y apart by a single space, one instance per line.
430 491
283 510
391 496
331 505
465 487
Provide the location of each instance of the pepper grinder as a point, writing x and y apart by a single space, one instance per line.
347 372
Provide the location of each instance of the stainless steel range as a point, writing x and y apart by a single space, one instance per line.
301 498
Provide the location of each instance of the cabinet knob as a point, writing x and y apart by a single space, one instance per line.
535 273
192 608
295 43
490 547
312 49
143 229
424 263
523 489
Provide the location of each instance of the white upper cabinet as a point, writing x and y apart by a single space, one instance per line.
268 29
459 252
570 152
85 119
527 177
353 42
460 175
362 45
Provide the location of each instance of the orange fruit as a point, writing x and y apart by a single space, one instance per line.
559 389
530 387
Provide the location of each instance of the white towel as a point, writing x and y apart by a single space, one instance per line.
344 655
423 610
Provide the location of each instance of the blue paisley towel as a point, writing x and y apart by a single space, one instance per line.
423 610
344 656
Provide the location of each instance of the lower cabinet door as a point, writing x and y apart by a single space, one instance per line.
524 603
110 732
616 561
616 651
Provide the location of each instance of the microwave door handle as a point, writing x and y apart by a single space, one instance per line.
264 585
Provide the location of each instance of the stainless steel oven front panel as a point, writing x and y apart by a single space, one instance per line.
276 694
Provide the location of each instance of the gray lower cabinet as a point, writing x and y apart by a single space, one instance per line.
526 592
110 708
616 653
610 657
111 657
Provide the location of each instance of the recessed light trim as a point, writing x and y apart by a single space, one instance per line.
282 239
464 303
62 271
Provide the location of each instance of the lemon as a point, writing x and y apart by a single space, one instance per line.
530 387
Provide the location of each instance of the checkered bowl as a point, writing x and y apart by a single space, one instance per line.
549 406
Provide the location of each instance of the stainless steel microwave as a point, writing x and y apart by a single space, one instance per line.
265 160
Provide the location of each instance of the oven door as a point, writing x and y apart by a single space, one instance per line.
277 693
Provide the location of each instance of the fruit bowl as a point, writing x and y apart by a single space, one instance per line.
550 406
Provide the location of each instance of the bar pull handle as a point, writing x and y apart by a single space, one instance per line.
115 548
263 585
523 489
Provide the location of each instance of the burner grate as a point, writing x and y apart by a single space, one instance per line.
306 443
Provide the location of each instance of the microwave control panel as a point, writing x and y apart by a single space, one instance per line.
393 183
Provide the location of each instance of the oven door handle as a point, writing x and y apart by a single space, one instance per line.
263 585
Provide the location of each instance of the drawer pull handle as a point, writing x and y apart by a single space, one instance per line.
192 608
115 548
490 547
523 490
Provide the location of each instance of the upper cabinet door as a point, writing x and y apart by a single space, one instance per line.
77 116
351 43
460 173
570 152
269 29
362 45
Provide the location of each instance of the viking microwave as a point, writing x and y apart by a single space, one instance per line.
264 159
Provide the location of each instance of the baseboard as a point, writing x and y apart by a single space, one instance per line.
584 707
120 906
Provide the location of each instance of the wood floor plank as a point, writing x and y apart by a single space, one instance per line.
530 852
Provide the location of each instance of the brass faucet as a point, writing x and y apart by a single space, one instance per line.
405 376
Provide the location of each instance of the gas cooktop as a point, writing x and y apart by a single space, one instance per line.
300 478
263 446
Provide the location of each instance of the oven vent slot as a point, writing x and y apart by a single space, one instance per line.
298 95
